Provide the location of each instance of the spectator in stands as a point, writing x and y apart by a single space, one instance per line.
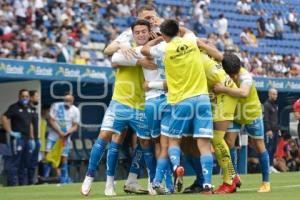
79 59
124 7
221 25
63 54
282 154
261 27
36 54
292 21
112 8
279 25
64 121
270 29
200 15
17 122
245 59
248 38
21 7
271 126
244 7
228 43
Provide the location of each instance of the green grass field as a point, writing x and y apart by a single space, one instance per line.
285 186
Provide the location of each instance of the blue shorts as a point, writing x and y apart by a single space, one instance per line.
118 116
191 117
158 113
255 129
66 150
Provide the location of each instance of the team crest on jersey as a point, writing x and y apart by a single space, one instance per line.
182 48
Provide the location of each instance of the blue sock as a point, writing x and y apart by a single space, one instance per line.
174 155
207 165
64 172
162 165
198 170
150 161
96 155
264 163
233 156
136 160
112 158
46 169
194 163
169 176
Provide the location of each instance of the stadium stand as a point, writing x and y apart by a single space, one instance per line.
90 25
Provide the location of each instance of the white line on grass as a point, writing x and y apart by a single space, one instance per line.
245 189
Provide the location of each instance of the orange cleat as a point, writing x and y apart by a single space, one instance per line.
178 178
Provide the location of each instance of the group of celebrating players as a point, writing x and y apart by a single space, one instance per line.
181 96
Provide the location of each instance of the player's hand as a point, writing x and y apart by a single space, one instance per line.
153 35
219 88
201 42
146 86
16 135
147 63
270 134
129 53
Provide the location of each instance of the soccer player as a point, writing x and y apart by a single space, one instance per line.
64 121
188 96
248 113
223 107
126 109
156 109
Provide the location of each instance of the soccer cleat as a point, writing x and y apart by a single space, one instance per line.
134 188
207 190
273 170
194 188
178 178
110 190
86 185
237 181
226 188
159 189
265 187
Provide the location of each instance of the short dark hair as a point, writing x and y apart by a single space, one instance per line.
231 63
32 93
21 91
169 27
141 22
145 7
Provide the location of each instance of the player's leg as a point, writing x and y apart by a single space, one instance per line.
47 165
131 184
222 154
192 155
223 113
113 123
256 132
203 133
64 174
180 123
230 138
139 124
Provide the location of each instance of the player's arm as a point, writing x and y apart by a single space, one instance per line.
75 124
210 50
241 92
146 50
6 124
157 85
119 60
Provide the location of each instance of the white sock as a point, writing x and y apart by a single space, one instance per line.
110 181
132 178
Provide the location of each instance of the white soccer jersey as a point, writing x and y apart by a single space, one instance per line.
149 75
246 79
63 117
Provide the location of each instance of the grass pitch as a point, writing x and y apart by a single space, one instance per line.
285 186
